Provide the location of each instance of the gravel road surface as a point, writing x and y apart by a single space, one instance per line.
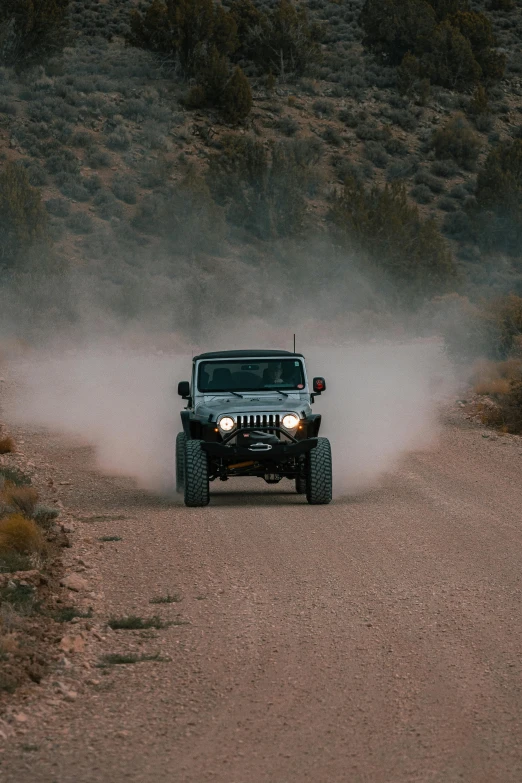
374 640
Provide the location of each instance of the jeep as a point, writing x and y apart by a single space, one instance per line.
249 413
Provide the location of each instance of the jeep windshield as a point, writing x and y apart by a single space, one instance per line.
265 375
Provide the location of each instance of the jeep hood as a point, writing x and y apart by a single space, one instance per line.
219 405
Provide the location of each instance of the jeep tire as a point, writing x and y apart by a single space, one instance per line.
195 474
181 439
319 474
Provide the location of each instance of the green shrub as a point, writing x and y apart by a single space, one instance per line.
219 87
184 30
423 177
456 140
422 194
448 59
97 158
409 73
133 622
477 29
124 188
14 476
440 40
250 21
444 168
332 136
80 223
236 102
10 562
119 139
213 75
31 31
479 103
196 98
23 218
44 516
445 8
261 189
382 225
395 27
501 5
287 125
279 41
151 29
497 214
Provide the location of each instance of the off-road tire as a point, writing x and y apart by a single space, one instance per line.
181 439
300 485
319 474
195 474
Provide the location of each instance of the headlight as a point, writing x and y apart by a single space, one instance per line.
290 421
226 424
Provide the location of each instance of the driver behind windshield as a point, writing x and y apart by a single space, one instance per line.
273 374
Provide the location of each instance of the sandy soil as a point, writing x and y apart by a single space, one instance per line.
377 639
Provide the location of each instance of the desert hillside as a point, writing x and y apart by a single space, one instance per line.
294 141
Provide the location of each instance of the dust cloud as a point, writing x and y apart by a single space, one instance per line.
381 402
121 402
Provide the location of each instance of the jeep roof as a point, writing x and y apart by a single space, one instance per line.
243 354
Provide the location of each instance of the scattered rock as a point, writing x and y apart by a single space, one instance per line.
75 582
72 644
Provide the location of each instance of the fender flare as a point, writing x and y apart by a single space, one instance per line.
191 427
185 421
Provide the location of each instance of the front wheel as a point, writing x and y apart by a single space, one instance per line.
319 474
196 490
181 439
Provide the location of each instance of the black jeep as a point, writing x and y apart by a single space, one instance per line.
249 414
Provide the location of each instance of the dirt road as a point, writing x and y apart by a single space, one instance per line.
378 639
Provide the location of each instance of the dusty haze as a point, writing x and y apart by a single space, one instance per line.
381 402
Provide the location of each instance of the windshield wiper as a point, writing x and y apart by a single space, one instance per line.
281 392
229 391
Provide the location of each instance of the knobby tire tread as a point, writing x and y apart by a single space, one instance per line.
319 478
196 475
181 439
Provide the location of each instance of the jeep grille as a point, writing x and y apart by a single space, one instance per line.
259 420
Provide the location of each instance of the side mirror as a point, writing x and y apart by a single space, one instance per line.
184 389
319 385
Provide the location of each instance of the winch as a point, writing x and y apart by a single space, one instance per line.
257 440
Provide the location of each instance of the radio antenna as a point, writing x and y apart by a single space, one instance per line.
294 342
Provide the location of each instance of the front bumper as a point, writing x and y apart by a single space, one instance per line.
277 453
